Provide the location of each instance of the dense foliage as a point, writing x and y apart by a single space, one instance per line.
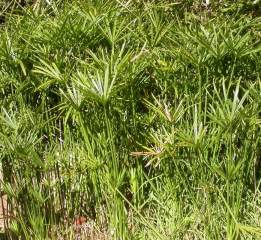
141 116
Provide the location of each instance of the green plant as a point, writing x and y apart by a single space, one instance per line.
140 118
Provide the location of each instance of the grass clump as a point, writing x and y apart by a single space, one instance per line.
130 119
